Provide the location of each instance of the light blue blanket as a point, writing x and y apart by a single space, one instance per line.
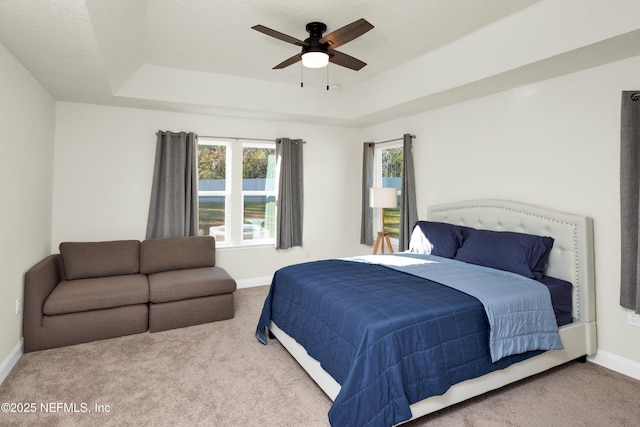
518 308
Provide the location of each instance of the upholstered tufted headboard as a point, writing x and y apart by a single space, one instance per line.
572 255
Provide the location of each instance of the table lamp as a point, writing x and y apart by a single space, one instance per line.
383 197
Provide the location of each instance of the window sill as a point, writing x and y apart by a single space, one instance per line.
230 248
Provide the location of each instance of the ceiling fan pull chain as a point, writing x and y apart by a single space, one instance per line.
327 76
301 75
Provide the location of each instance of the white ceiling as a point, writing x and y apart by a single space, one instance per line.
202 55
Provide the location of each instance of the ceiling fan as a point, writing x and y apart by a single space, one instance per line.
318 51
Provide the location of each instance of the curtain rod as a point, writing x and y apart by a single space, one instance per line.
391 140
231 137
238 138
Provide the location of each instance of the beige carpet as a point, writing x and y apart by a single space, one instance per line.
219 375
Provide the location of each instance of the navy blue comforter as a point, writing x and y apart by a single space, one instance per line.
388 338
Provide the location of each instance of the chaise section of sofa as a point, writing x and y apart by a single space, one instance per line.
185 285
90 291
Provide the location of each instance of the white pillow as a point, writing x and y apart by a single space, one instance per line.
419 244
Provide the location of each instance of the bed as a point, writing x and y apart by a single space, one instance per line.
570 259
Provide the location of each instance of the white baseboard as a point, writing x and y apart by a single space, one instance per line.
11 360
616 363
251 283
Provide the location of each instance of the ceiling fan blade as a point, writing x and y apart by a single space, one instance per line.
345 60
287 62
347 33
278 35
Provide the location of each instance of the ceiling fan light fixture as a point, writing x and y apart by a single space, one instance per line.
315 59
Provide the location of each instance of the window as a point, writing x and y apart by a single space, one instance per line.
236 191
388 173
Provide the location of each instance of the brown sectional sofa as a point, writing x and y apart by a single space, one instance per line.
98 290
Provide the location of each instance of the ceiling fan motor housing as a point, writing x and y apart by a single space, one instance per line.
315 29
312 44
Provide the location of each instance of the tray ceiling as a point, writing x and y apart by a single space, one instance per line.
203 56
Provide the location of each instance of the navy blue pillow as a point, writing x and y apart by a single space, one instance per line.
445 238
519 253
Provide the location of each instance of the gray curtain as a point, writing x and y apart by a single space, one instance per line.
630 200
408 208
366 224
290 202
173 210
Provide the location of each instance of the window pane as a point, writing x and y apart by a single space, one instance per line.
392 160
258 169
258 185
259 217
212 170
212 167
392 221
211 221
392 167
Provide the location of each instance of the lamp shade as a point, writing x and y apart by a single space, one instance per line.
315 59
383 197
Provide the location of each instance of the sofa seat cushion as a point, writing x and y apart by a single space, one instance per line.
178 285
72 296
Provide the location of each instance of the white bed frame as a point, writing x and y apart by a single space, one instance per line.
571 259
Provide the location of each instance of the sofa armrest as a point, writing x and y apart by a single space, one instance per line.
39 282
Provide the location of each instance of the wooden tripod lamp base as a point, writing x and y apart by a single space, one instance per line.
383 238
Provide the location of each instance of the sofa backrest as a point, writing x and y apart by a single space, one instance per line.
84 260
177 253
